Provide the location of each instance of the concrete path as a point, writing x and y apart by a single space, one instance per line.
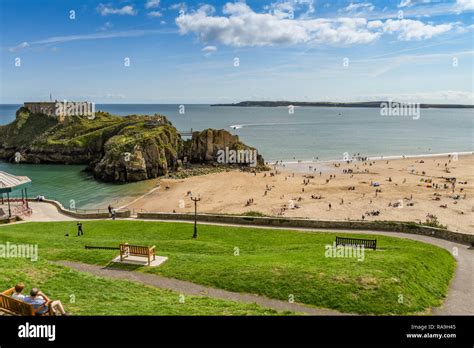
46 212
188 288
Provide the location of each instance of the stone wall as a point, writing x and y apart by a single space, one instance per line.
47 108
89 215
6 220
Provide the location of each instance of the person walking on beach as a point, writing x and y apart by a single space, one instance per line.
110 209
80 232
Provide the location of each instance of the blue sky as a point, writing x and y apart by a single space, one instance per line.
187 52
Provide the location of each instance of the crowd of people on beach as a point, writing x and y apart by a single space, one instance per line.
360 186
355 162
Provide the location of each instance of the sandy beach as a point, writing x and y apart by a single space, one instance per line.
397 189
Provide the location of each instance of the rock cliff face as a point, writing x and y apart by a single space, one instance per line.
139 153
204 146
115 149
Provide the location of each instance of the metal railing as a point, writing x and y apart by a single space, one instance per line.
49 198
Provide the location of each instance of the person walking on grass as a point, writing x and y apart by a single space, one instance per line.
80 232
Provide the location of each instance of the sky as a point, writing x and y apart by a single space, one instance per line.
207 51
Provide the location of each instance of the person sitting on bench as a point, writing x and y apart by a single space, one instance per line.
38 300
17 295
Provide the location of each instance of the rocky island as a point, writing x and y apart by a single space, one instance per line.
113 148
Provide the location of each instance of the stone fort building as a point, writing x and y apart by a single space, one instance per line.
47 108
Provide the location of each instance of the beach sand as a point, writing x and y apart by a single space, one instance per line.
228 192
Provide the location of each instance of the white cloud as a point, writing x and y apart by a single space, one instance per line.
375 24
408 29
464 5
208 50
241 26
180 6
361 6
106 26
95 36
282 9
19 47
409 3
288 8
154 14
152 4
106 10
405 3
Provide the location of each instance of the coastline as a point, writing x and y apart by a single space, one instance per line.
325 165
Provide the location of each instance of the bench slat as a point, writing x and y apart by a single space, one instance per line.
367 243
137 250
16 307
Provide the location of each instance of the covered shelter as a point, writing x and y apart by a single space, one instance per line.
10 183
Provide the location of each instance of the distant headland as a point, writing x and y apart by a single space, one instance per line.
371 104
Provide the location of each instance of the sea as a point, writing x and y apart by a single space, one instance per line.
307 134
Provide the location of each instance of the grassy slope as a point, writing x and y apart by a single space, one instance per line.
78 132
274 263
84 294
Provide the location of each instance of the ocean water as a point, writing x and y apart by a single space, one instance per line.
325 133
74 188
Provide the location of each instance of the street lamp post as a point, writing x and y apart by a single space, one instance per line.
195 200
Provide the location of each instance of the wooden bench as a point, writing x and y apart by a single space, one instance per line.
20 308
137 250
367 243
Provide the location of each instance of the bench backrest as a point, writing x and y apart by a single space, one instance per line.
134 249
367 243
16 306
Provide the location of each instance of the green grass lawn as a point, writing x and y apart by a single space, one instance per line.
403 277
84 294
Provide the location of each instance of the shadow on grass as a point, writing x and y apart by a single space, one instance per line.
122 266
